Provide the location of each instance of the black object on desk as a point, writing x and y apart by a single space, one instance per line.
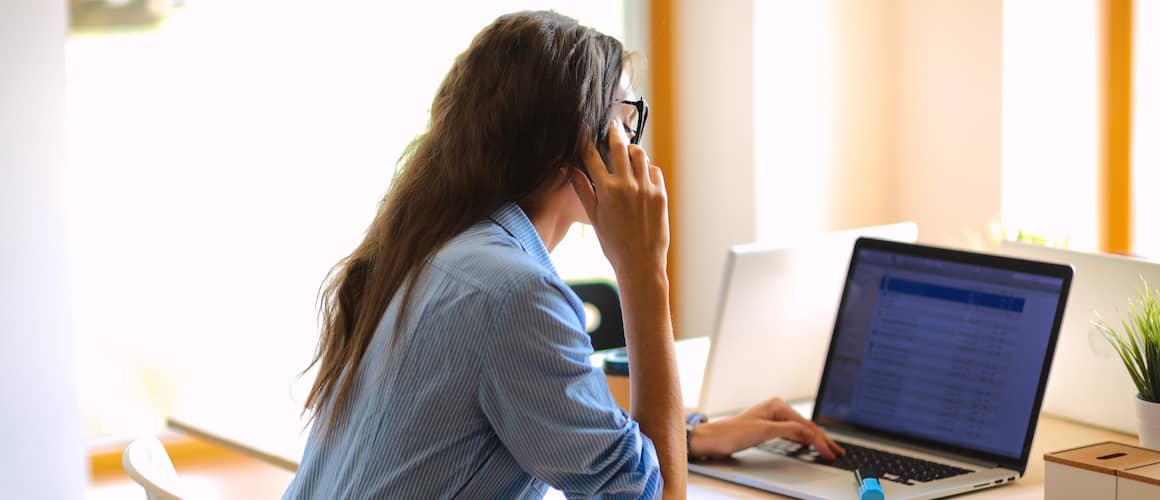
616 362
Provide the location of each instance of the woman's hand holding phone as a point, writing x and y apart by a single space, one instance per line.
627 205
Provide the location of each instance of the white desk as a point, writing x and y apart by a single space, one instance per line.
264 421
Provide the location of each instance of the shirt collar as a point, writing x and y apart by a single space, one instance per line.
513 219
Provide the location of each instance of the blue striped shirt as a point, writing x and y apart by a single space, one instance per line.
487 393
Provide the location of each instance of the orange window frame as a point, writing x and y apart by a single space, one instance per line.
1116 34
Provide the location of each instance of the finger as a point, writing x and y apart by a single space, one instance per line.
826 448
777 409
783 411
809 435
834 447
823 434
597 170
792 431
585 192
787 412
639 164
618 149
657 176
804 434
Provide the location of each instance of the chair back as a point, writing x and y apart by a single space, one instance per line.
147 463
602 308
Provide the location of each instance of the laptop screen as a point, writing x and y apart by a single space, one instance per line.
942 348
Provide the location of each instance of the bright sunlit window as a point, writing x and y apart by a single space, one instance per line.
793 113
1050 127
1146 130
222 161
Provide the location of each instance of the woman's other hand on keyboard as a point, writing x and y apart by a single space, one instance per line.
766 421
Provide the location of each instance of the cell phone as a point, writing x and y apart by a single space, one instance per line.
602 148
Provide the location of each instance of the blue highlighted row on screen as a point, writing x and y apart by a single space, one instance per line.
1003 302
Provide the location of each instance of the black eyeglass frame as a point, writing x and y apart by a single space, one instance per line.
641 117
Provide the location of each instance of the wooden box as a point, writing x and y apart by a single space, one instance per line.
1138 483
1111 471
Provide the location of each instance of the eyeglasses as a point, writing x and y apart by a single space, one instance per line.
641 116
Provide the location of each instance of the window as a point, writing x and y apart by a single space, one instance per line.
1146 128
1050 184
1051 118
223 160
793 116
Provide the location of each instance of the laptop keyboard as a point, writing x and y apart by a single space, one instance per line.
890 466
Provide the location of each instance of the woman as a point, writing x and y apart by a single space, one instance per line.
453 360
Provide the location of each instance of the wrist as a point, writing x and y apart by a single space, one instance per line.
693 438
634 279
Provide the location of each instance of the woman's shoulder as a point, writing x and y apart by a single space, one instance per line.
488 257
490 265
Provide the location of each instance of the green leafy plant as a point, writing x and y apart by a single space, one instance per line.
1138 343
1036 239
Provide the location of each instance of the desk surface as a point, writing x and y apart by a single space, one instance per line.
267 424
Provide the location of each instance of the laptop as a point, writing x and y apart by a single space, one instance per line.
1090 383
934 376
776 308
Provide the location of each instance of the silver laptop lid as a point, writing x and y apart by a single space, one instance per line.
1089 383
776 309
942 348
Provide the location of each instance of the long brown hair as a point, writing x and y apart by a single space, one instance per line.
527 95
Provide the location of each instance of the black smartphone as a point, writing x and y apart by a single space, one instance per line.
602 148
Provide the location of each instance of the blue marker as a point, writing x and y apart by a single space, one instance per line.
868 486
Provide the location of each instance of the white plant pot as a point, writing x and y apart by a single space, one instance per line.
1149 415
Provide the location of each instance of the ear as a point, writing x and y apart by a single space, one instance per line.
562 175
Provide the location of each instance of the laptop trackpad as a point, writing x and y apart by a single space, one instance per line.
788 471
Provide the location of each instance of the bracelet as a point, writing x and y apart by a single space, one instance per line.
691 421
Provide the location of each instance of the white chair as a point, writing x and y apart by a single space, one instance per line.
147 463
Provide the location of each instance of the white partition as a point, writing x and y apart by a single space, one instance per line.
43 451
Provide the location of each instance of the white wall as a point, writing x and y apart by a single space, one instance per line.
43 451
860 192
861 113
715 202
947 116
822 103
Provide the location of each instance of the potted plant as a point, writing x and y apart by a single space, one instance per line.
1138 344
